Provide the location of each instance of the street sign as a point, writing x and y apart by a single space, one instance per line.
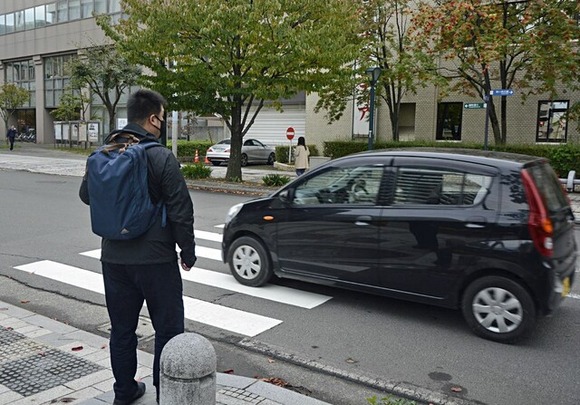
290 133
502 92
474 106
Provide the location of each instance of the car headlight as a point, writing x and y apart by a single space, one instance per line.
233 211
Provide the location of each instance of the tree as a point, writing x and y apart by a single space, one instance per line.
524 45
106 73
11 98
403 65
230 58
72 106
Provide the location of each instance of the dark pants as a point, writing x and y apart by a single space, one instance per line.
11 141
126 287
300 172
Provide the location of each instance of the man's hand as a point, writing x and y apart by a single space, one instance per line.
185 266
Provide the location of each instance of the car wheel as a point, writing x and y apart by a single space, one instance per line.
499 309
216 163
271 159
244 160
250 262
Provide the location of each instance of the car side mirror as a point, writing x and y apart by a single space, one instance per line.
285 196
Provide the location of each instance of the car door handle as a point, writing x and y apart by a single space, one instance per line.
363 220
476 222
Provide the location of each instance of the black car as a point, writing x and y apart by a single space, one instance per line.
490 233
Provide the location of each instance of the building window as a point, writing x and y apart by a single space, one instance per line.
449 121
56 79
29 20
40 16
87 7
51 13
19 17
62 11
22 74
9 23
552 121
74 9
100 6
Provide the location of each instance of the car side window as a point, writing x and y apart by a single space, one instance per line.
351 185
248 143
439 187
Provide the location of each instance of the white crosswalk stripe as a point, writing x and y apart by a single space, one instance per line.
245 323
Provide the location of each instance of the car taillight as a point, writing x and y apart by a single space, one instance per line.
539 223
210 150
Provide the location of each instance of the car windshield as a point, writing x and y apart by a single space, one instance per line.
225 142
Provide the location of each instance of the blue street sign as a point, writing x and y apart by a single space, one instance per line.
502 92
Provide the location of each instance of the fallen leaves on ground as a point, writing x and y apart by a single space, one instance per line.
77 348
276 381
456 389
271 360
24 301
229 371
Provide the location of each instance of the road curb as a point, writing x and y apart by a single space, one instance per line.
397 388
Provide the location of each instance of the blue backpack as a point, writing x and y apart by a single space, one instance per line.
120 204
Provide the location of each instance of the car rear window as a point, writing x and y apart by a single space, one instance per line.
549 186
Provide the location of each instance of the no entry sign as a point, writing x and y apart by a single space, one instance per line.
290 133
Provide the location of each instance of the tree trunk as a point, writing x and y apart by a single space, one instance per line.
234 172
495 124
504 120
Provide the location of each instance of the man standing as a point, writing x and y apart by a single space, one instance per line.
11 135
146 268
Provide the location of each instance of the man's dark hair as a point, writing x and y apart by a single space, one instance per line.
142 104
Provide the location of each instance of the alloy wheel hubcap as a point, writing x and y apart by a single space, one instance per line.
497 310
247 263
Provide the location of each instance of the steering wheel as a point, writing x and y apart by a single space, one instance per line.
358 190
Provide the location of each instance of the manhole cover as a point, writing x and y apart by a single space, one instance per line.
145 329
28 367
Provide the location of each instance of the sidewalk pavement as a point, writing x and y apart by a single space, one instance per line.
43 361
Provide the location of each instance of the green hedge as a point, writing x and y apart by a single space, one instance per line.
563 157
186 149
282 152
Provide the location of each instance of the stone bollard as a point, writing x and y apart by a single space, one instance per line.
188 371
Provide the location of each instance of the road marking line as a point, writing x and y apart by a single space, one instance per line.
213 236
283 295
233 320
200 251
269 292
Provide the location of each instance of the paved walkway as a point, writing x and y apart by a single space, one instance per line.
43 361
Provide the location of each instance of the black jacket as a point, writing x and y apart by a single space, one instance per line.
157 245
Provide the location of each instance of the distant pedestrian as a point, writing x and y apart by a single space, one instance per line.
11 135
145 269
301 155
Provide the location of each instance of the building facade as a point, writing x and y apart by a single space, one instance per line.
38 37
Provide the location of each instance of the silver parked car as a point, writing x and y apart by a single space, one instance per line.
253 151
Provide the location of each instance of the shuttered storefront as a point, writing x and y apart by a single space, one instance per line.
271 125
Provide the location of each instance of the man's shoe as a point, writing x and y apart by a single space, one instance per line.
138 394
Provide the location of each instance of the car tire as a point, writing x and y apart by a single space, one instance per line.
244 160
271 159
216 163
499 309
250 262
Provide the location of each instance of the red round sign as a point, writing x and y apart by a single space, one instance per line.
290 133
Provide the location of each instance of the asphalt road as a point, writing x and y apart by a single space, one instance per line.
422 349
